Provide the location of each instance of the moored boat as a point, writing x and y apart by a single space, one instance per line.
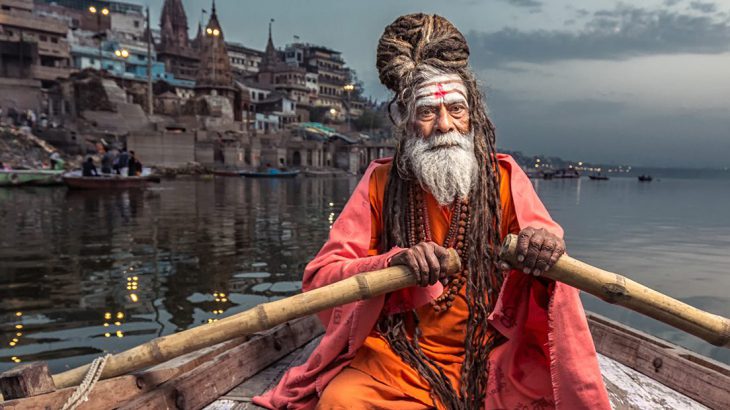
645 178
105 182
20 177
74 180
227 172
639 371
598 177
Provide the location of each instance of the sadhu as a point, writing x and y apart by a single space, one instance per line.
489 336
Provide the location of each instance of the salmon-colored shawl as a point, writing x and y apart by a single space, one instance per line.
523 313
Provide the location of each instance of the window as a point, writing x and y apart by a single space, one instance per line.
43 38
136 23
54 40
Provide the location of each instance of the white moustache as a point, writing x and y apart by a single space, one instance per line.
444 164
451 139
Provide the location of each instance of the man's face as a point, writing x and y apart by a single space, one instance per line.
440 151
441 107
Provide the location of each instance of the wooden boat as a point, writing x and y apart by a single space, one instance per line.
598 177
227 172
20 177
645 178
271 173
639 370
107 182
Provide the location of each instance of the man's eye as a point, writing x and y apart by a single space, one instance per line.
457 108
426 112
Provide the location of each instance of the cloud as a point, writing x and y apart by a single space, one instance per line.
530 4
703 7
620 33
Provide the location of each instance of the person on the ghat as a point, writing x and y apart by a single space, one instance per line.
489 336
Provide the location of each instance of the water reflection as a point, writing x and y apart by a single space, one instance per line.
94 272
671 235
86 273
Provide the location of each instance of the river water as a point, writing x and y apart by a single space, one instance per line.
82 273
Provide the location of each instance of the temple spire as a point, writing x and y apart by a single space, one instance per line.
271 56
215 69
173 25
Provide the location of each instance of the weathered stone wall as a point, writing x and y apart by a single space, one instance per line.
164 149
20 94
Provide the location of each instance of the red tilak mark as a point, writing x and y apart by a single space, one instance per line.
441 93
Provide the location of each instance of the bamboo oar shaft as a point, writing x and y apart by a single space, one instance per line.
619 290
262 317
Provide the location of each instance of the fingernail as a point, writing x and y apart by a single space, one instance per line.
536 272
520 258
526 270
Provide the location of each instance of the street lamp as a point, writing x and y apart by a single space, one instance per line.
349 88
123 53
105 12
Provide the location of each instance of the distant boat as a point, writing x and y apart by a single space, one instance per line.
271 173
598 177
645 178
566 173
104 182
228 172
74 180
20 177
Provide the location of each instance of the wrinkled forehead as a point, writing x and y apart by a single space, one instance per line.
441 89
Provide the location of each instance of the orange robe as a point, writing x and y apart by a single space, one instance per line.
377 377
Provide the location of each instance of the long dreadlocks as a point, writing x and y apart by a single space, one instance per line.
411 46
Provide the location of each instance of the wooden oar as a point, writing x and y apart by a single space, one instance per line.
609 286
619 290
262 317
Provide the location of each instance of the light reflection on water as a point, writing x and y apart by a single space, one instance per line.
93 272
180 254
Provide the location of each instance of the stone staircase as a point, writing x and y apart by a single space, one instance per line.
126 117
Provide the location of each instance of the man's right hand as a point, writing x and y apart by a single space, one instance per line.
427 261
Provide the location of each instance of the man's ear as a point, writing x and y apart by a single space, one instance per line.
394 113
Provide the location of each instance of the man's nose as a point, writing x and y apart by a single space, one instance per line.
445 122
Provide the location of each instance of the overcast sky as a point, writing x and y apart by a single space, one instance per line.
641 82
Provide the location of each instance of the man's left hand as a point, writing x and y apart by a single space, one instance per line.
537 251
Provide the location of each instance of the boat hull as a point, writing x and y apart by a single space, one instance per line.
639 371
113 182
30 177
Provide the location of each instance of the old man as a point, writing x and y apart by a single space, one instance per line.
487 337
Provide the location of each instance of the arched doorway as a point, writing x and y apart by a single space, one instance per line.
297 159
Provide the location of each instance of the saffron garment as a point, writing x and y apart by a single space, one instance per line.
538 322
442 334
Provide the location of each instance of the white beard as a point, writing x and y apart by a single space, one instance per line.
444 164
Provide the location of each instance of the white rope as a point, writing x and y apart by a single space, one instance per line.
92 376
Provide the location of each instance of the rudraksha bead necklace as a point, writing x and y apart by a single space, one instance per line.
420 231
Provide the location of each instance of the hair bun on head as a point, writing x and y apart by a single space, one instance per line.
416 39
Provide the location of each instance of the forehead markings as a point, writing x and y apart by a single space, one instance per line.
441 90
